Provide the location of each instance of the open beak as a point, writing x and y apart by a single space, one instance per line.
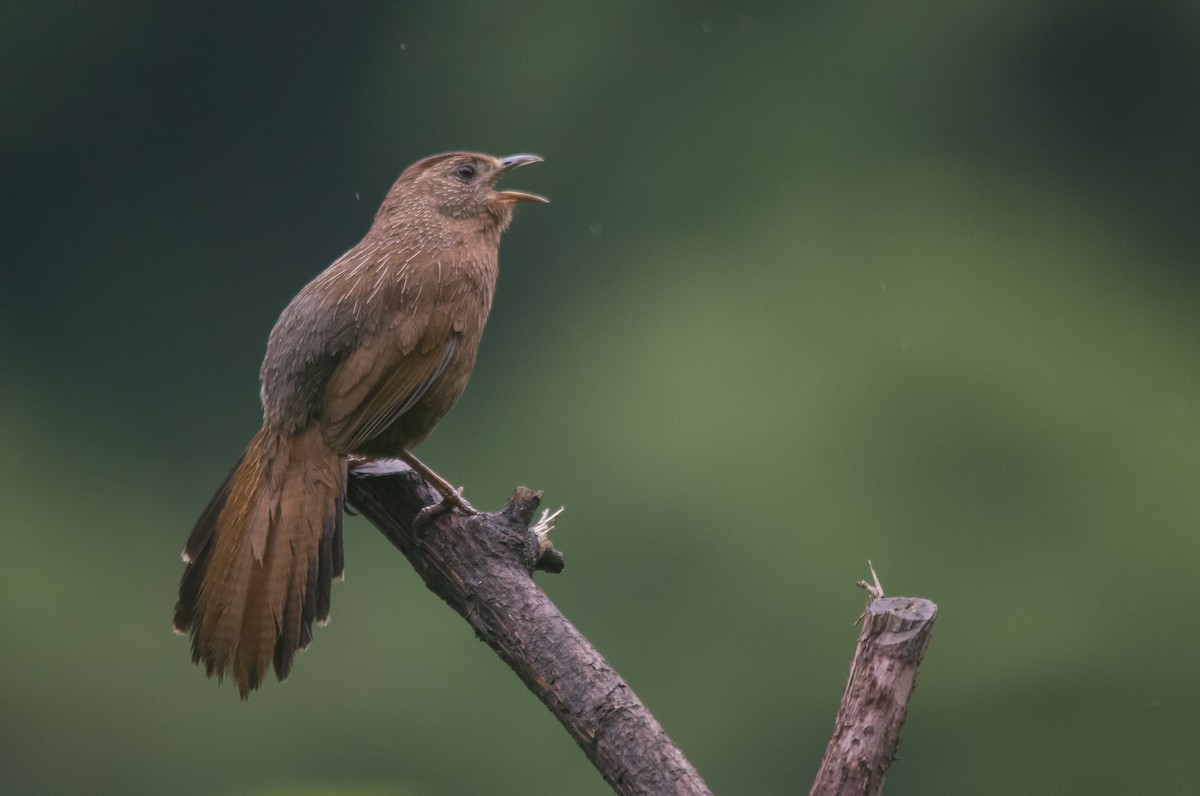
514 162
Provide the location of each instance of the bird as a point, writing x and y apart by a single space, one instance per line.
364 361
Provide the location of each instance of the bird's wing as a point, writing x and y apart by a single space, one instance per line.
384 377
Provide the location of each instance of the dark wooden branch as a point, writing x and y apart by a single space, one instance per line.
482 567
894 637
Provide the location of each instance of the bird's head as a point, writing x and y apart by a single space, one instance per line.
460 186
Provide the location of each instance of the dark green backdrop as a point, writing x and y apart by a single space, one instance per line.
821 282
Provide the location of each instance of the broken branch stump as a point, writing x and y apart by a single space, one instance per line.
894 637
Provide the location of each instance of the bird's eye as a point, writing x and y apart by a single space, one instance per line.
465 172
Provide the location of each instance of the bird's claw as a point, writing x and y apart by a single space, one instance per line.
451 501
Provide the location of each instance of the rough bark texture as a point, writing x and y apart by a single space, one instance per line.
883 674
482 566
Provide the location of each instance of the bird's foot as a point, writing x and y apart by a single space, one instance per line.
452 500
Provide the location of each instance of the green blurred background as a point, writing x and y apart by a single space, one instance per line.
908 281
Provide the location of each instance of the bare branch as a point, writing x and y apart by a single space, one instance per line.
481 565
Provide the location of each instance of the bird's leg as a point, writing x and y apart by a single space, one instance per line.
451 498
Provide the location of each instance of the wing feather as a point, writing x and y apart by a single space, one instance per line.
383 379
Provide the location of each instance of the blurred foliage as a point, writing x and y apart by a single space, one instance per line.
914 282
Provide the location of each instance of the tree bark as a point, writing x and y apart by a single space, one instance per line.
894 637
482 567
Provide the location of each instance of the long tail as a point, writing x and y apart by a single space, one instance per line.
262 558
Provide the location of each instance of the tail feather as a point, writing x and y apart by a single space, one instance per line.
256 629
196 553
330 563
257 575
235 569
202 532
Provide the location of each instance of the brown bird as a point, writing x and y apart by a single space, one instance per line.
366 359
